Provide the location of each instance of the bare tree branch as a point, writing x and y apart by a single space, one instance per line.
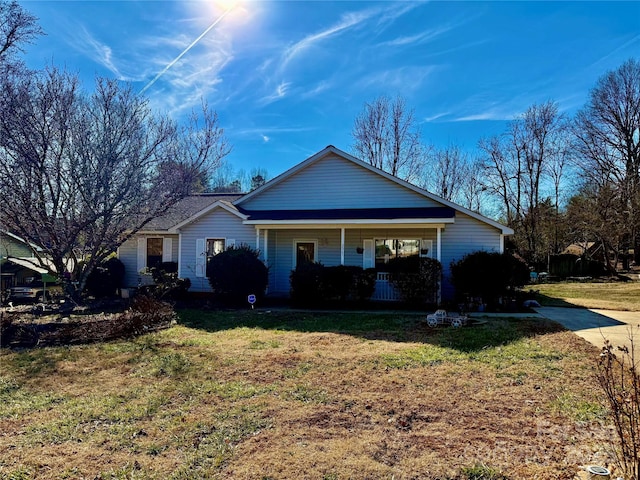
86 172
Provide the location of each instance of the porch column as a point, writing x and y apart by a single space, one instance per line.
265 252
342 235
257 238
439 258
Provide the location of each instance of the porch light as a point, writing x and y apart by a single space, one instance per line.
359 250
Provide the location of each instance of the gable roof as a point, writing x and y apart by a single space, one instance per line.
223 204
331 150
18 239
187 208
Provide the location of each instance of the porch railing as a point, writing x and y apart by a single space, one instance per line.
385 291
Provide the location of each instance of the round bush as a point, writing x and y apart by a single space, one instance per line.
106 278
307 284
488 274
237 273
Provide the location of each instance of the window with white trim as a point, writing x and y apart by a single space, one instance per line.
214 247
386 249
305 251
154 252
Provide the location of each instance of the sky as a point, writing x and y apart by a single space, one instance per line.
288 78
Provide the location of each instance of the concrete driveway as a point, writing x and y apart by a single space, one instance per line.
597 325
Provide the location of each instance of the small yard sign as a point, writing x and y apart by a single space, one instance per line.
251 299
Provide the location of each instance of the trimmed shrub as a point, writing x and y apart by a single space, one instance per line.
416 278
364 284
166 283
313 284
338 281
237 273
307 284
105 279
488 275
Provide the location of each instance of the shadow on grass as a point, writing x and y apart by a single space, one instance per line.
394 327
547 301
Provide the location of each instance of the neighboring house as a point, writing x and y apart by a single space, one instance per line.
17 262
331 208
589 249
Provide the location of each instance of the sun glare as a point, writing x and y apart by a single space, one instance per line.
235 11
226 4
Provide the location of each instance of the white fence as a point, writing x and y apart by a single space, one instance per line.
385 291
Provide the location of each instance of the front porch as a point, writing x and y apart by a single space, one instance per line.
283 248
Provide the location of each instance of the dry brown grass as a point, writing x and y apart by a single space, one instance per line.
248 398
603 295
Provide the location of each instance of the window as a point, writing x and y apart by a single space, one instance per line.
386 249
305 252
215 246
154 252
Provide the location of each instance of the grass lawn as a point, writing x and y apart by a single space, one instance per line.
283 395
604 295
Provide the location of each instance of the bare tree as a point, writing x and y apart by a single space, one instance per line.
517 166
501 176
607 132
80 174
227 179
387 137
473 193
17 27
447 173
596 214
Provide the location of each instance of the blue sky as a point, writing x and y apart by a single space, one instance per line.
288 78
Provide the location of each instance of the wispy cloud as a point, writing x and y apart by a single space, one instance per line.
389 15
346 22
99 52
417 39
279 93
491 114
475 109
435 117
624 46
317 90
187 48
399 79
264 132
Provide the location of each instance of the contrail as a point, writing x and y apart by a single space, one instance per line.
173 62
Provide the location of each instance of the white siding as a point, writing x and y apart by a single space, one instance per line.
216 224
334 182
